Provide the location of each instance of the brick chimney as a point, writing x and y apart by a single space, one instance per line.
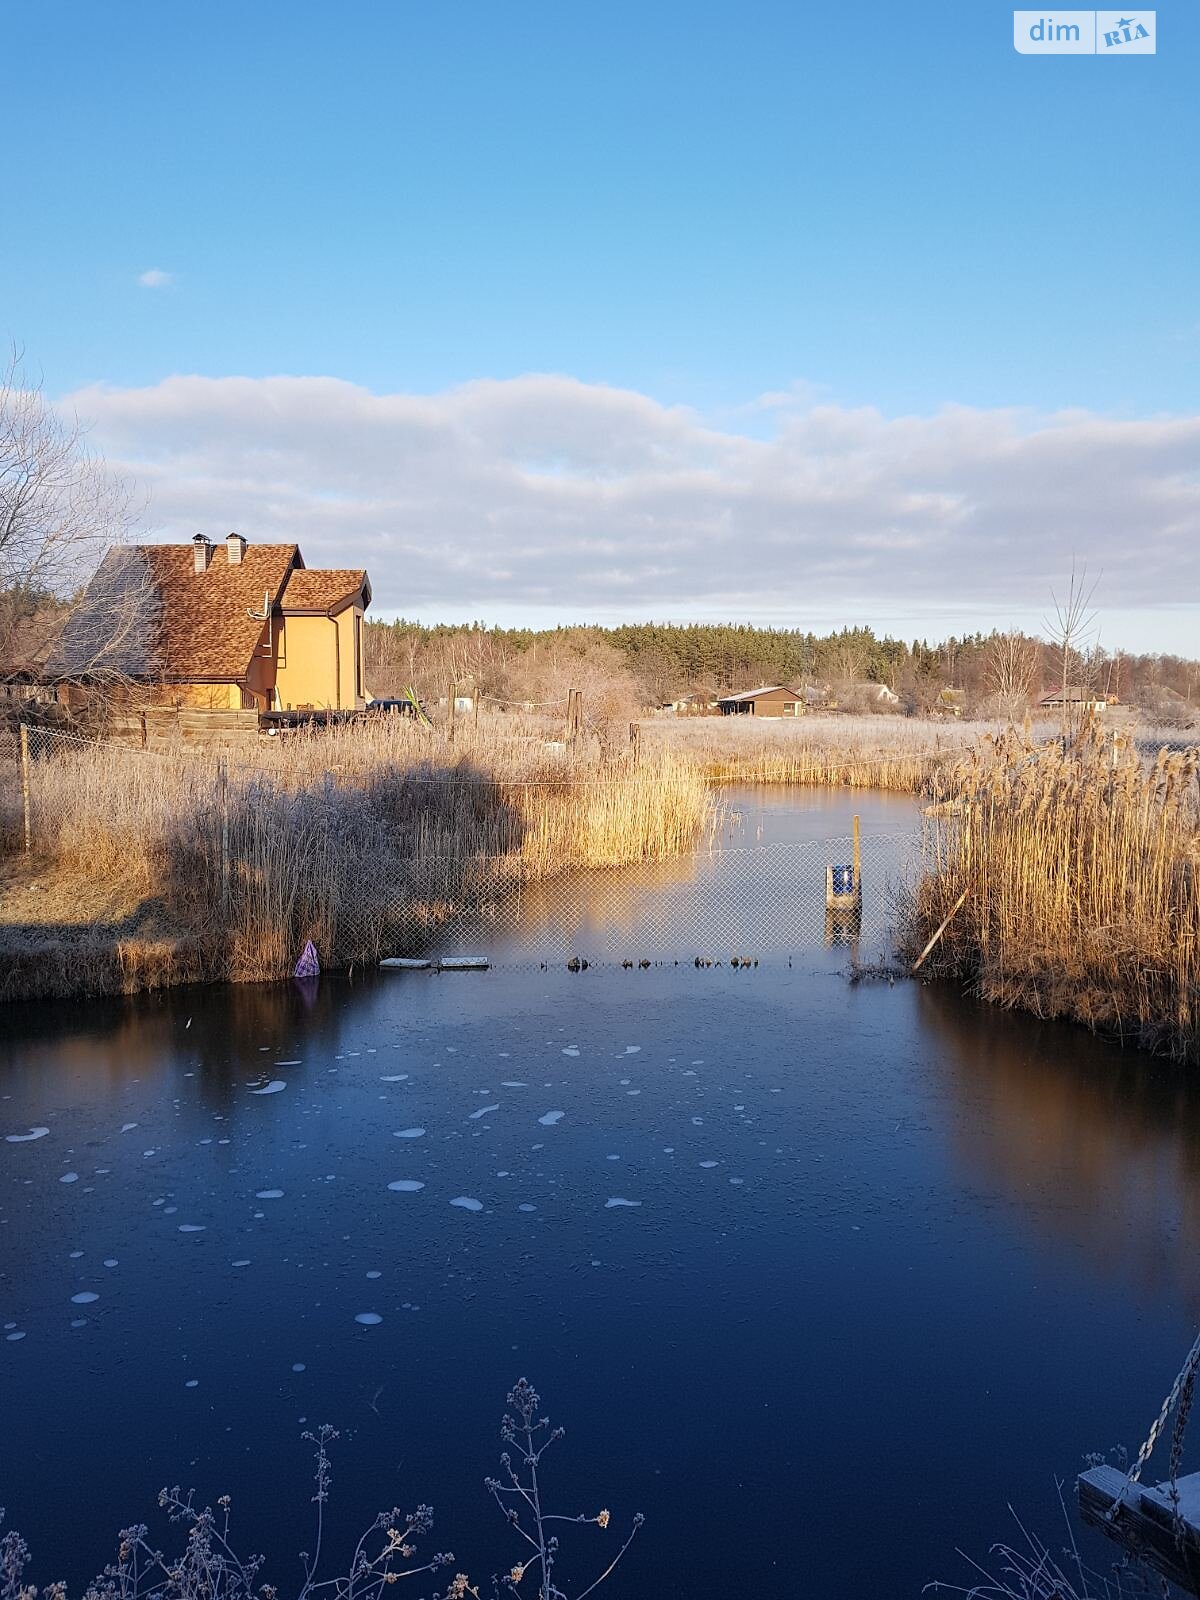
235 549
202 550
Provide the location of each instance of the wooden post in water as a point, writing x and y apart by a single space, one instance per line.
450 712
223 808
25 787
574 716
635 743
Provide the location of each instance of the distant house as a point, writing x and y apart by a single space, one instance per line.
1076 698
697 704
232 626
773 701
951 702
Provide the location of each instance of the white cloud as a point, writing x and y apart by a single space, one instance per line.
542 495
156 278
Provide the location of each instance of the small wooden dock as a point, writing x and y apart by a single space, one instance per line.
1148 1522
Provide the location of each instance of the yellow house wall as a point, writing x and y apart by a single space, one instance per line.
315 661
305 673
351 668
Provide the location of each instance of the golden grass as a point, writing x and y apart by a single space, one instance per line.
1082 873
901 754
357 838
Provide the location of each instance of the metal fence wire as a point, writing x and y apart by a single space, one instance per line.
728 906
726 903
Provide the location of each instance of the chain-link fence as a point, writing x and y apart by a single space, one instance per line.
732 906
394 897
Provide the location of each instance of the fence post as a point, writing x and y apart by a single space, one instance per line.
223 804
574 715
25 787
635 743
450 719
857 858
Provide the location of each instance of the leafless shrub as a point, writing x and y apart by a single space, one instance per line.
208 1565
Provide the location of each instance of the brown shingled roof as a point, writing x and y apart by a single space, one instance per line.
323 589
196 624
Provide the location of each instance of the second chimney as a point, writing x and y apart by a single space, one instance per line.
201 552
235 549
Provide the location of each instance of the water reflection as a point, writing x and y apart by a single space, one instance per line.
1098 1146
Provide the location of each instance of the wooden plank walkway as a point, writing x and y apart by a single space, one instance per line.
1146 1524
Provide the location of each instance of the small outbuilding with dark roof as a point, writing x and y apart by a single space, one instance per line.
775 700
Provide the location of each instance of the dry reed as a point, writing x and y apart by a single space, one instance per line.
900 754
1082 877
352 838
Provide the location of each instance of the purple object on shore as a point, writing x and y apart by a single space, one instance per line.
308 966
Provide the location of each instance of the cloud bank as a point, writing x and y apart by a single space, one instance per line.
155 278
542 494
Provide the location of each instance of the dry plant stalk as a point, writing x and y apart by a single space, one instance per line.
346 836
1086 871
899 754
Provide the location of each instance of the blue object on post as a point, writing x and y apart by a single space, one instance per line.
843 880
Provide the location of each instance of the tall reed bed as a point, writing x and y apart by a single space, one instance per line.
899 754
1081 876
362 839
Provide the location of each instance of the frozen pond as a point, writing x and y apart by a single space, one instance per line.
818 1277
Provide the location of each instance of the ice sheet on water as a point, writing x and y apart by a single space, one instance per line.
466 1203
69 1177
394 1077
268 1194
369 1319
375 1274
513 1083
482 1112
570 1050
85 1297
191 1227
300 1063
526 1208
631 1050
616 1200
409 1133
710 1163
26 1138
405 1186
274 1087
14 1338
551 1117
297 1366
128 1127
243 1263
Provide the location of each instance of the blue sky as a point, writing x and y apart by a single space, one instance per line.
869 206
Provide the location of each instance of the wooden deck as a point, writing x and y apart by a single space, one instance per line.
1146 1523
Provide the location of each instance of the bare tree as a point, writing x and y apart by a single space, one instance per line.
60 508
1012 663
1072 628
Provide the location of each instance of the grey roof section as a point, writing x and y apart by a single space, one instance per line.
114 631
